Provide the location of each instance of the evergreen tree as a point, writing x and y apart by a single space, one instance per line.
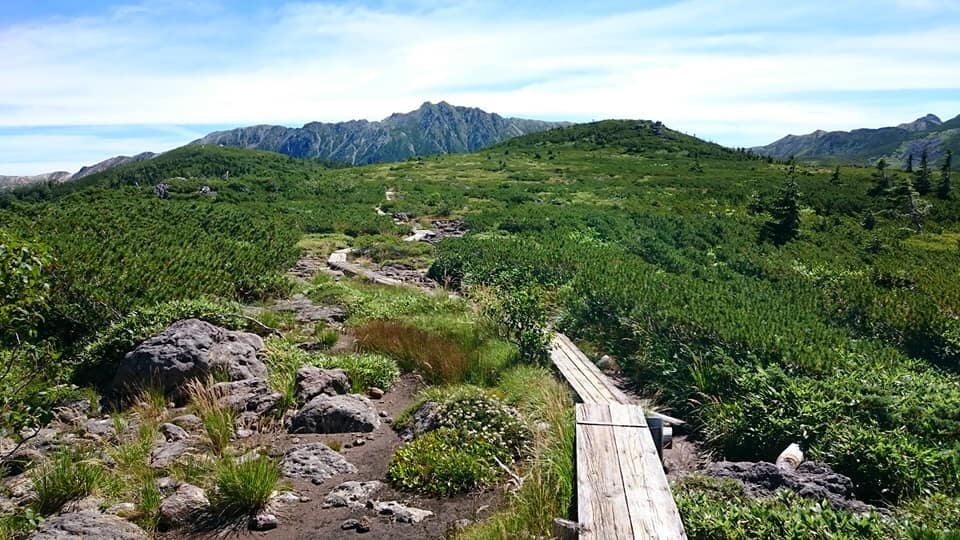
944 188
784 224
881 182
923 174
835 178
869 220
909 166
907 203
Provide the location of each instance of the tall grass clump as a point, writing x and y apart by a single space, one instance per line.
66 477
364 370
218 420
243 486
440 360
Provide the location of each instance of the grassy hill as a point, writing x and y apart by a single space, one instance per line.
646 243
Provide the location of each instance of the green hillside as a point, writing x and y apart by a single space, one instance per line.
647 244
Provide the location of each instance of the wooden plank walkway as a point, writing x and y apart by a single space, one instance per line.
622 492
338 261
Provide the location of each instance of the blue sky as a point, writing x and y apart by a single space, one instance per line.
83 81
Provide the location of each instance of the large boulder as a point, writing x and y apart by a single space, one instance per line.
248 395
190 349
88 525
315 462
336 414
810 479
313 381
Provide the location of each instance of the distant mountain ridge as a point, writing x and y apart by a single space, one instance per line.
438 128
434 128
867 146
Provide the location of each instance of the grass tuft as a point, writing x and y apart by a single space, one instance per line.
66 477
218 421
243 486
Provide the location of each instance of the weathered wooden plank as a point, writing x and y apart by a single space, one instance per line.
653 512
602 504
585 388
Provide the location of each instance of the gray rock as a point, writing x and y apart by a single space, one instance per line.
424 420
169 453
72 412
167 483
173 432
188 421
315 462
248 395
103 428
186 504
811 480
88 503
375 393
124 510
607 363
361 525
264 521
313 381
187 350
336 414
87 525
401 513
352 494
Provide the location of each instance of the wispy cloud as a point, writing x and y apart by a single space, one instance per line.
738 71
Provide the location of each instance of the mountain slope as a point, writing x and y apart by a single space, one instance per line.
17 181
432 129
867 146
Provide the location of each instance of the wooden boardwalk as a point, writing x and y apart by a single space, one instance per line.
338 261
622 492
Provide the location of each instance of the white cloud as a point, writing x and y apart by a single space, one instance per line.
731 68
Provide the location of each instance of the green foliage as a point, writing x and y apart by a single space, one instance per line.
481 416
18 524
243 486
714 508
104 351
66 477
442 463
520 313
24 287
945 187
386 250
364 370
784 224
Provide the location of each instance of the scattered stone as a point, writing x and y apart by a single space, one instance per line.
168 453
348 445
173 432
424 420
184 505
190 349
20 489
252 395
244 433
72 412
607 363
188 421
285 498
384 414
361 525
306 311
86 504
123 510
401 513
359 442
374 393
167 483
264 522
313 381
86 525
352 494
315 462
103 428
348 413
811 480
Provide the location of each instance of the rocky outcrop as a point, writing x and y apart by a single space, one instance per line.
315 462
336 414
423 420
190 349
86 525
313 381
810 479
399 512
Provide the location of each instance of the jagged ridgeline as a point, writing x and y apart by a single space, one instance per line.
650 246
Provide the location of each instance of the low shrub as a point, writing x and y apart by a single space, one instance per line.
18 524
243 486
364 370
713 508
444 462
483 417
386 249
326 336
66 477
